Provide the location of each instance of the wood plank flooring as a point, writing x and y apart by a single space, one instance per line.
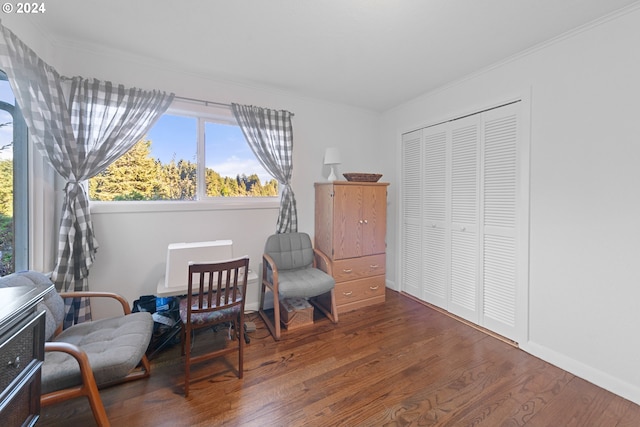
395 364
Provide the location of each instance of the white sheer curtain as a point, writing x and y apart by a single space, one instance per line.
81 135
270 136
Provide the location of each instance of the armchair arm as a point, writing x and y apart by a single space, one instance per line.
88 380
93 294
269 264
88 388
322 262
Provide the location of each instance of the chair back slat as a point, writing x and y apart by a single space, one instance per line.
217 286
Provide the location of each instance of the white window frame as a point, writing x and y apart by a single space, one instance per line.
203 113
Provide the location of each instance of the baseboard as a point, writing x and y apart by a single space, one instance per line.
586 372
391 285
251 307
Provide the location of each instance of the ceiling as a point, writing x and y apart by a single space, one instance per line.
374 54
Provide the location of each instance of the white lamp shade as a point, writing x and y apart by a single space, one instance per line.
332 156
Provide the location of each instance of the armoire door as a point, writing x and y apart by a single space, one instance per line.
374 219
347 230
360 220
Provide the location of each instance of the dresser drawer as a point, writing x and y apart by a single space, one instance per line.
19 350
360 289
357 268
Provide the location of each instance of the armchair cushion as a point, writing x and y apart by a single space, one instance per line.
114 347
305 283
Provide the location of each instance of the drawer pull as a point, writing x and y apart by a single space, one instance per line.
347 294
374 288
374 266
15 363
347 270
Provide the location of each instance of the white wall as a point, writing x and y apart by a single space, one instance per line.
584 283
133 245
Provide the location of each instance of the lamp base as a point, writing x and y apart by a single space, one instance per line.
332 176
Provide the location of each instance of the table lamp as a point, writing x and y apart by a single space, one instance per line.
332 158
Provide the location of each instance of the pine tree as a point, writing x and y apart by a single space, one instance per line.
134 176
6 188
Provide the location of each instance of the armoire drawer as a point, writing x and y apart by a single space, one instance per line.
357 268
360 289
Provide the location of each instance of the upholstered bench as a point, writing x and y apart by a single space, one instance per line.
89 355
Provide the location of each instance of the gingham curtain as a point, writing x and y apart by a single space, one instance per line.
80 136
270 136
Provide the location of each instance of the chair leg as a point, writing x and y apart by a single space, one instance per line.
240 333
186 350
334 307
274 327
330 312
97 407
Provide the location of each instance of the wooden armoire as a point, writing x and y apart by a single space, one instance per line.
350 228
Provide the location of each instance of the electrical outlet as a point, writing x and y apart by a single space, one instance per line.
249 326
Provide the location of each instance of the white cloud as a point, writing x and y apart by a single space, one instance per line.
234 166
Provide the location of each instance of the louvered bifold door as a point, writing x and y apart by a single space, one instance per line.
435 235
499 219
412 213
465 144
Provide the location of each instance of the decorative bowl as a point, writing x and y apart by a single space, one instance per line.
362 177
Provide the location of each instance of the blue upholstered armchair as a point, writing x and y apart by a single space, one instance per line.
290 269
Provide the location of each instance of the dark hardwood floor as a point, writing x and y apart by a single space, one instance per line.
396 364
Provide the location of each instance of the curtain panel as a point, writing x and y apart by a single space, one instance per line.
270 136
81 135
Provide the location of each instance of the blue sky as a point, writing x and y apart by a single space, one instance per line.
227 152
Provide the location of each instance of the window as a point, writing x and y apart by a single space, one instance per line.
189 154
13 184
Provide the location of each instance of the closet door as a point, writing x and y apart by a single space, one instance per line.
464 199
465 218
435 231
412 213
500 220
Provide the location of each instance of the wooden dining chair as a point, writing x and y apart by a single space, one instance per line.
216 295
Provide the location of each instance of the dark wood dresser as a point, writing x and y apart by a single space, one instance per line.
21 354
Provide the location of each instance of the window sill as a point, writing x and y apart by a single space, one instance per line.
184 206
